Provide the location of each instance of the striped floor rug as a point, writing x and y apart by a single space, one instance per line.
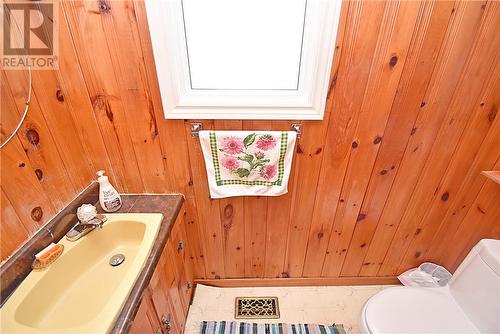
233 327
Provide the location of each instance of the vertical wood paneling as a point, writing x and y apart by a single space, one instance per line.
319 231
175 156
50 152
390 173
482 222
88 28
487 157
389 60
12 230
449 65
278 218
309 156
37 142
22 188
121 31
359 42
463 112
255 219
18 175
75 95
50 96
443 132
208 209
376 15
427 40
468 159
58 117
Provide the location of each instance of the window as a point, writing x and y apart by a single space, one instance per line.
243 59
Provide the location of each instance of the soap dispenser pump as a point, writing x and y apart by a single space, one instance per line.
109 198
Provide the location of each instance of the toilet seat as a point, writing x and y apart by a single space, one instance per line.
414 310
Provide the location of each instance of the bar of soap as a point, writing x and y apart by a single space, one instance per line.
45 250
47 256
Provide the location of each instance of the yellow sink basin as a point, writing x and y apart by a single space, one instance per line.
81 292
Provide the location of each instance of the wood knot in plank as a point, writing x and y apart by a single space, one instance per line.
377 140
393 61
332 85
33 137
100 103
361 216
104 6
492 114
228 211
37 214
59 95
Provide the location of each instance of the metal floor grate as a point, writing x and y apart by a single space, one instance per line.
257 308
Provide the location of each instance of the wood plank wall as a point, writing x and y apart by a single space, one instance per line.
390 177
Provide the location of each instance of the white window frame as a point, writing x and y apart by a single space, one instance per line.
166 26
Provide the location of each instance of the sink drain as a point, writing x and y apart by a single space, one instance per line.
116 260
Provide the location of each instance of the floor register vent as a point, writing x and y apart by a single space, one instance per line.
257 308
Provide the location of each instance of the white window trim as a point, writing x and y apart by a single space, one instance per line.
181 102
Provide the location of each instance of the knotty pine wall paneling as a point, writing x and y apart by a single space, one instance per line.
390 178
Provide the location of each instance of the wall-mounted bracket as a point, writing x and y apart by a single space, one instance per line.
195 129
297 127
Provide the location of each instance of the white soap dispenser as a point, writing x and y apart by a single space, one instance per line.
109 198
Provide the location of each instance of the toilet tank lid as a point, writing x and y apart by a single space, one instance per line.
489 251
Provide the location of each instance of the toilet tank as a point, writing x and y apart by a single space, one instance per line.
476 285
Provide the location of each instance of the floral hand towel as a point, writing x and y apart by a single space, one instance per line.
247 163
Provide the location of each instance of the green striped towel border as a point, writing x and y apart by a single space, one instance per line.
233 327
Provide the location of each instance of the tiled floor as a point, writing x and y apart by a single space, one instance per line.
323 305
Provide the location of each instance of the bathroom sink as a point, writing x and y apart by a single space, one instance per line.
81 292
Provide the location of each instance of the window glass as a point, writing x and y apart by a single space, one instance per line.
244 44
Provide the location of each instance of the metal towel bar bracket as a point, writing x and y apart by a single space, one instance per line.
297 127
197 127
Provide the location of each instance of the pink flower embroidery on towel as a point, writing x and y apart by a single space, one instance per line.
268 172
266 142
259 155
232 145
230 163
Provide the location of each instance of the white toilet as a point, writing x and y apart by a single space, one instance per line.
469 304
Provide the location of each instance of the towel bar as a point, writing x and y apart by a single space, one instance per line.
197 127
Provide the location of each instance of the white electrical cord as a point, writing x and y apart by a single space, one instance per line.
24 114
